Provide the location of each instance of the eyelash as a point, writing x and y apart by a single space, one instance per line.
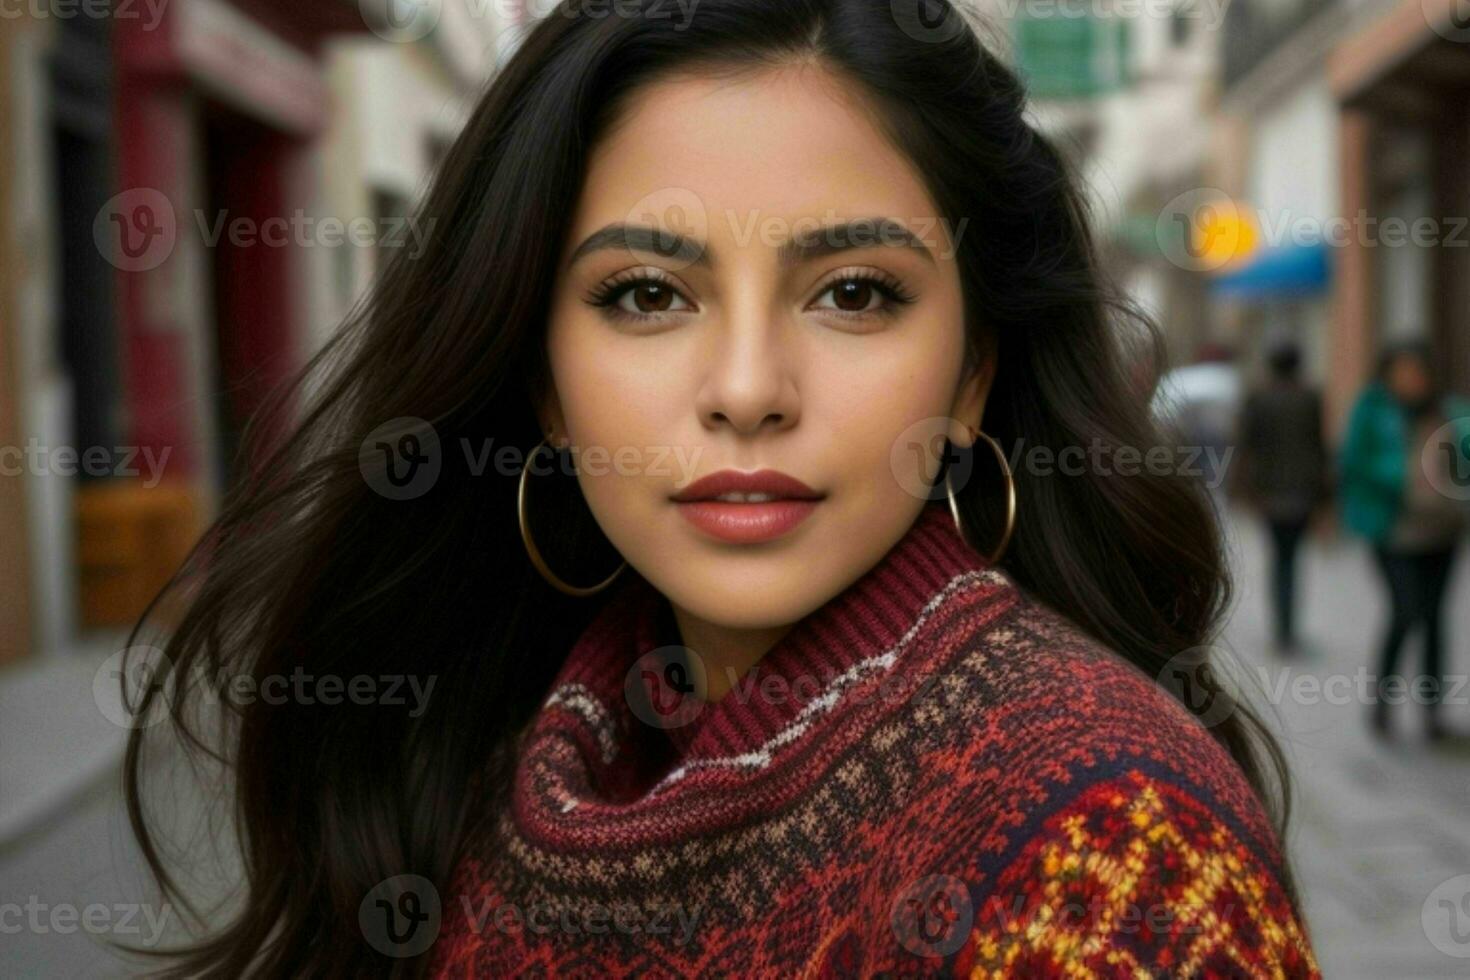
608 294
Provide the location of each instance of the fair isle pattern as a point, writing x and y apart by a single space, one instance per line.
960 729
580 700
1070 904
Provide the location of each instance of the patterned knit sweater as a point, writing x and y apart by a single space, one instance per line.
933 773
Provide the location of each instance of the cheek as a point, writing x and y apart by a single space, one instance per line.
595 380
618 404
890 390
616 401
891 414
903 425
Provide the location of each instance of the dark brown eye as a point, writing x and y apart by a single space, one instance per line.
652 297
852 295
863 295
643 298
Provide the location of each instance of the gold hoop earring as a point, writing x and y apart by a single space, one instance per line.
534 553
1005 467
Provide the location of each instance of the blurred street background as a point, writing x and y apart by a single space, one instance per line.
193 194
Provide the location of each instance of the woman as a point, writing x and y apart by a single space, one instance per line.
1406 475
775 679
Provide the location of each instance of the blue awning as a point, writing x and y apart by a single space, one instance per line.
1289 271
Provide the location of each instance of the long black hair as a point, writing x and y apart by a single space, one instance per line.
312 566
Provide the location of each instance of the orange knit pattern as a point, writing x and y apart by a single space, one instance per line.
1082 888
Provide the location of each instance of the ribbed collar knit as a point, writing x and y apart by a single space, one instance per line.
589 765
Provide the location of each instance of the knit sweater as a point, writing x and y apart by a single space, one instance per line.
932 773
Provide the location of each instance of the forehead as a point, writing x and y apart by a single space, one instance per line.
785 143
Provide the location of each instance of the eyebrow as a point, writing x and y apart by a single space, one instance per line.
804 247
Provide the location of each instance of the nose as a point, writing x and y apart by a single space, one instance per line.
749 381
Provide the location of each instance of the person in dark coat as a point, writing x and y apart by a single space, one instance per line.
1283 458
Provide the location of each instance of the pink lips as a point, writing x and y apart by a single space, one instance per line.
747 523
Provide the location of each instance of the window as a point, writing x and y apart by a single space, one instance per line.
1065 56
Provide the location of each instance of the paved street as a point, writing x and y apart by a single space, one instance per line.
1377 827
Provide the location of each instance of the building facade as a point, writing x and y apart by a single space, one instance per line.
1350 117
176 177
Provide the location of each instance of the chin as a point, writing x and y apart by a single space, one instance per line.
775 597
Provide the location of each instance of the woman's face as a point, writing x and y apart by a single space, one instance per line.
834 363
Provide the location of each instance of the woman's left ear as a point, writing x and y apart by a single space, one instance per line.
969 405
549 417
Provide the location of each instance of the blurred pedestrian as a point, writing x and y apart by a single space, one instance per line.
1281 457
1399 492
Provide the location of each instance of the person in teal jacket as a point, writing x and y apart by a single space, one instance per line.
1405 471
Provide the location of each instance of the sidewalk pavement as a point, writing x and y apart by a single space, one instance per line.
1377 826
55 732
